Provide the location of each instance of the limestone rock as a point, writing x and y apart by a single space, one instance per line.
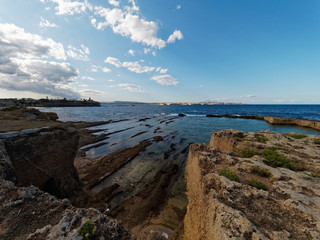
289 207
29 213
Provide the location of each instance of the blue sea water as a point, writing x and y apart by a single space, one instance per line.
177 132
195 127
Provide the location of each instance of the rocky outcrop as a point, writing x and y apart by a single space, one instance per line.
275 120
253 186
293 121
41 157
28 213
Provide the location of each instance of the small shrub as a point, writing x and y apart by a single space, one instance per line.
263 172
257 184
298 135
229 174
88 230
247 152
12 108
316 141
274 159
306 142
261 138
315 175
239 136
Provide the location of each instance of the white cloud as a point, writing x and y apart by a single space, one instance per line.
127 21
113 61
71 7
86 93
114 2
87 78
106 70
46 24
165 80
131 66
79 54
110 80
129 24
95 68
175 35
146 50
131 87
16 42
131 52
23 68
161 70
178 7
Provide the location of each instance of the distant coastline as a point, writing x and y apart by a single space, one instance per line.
45 102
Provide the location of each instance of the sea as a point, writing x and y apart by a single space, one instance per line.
144 121
194 127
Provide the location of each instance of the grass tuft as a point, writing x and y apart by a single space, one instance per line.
257 184
263 172
247 152
229 174
315 175
275 159
298 135
316 141
261 138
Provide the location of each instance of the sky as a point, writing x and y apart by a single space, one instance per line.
248 51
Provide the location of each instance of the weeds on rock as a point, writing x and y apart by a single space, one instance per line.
229 174
274 159
247 152
298 135
316 141
314 175
263 172
261 138
257 184
88 230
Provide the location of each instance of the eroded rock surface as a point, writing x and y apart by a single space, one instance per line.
28 213
286 166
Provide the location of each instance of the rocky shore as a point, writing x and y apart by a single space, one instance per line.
276 120
254 186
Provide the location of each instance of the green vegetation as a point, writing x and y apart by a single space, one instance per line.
257 184
88 230
229 174
316 141
261 138
315 175
275 159
306 142
298 135
239 136
263 172
12 108
247 152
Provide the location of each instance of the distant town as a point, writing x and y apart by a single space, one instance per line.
46 102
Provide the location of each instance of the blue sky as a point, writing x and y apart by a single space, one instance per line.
249 51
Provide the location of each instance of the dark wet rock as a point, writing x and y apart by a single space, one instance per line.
181 115
94 171
157 138
144 119
137 134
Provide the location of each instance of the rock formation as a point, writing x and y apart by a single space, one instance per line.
43 158
28 213
253 186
